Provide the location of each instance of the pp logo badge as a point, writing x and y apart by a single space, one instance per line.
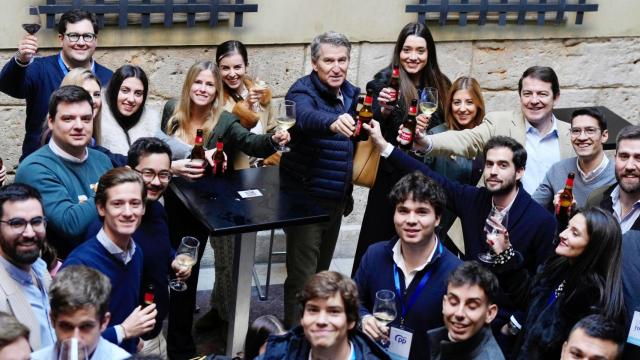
400 339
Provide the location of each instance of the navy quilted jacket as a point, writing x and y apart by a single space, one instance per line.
321 159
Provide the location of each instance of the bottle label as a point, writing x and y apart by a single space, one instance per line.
219 146
148 298
199 140
406 136
413 110
368 100
356 133
393 94
395 72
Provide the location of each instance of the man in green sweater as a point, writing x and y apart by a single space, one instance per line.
65 171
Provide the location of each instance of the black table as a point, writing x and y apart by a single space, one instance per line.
615 122
218 205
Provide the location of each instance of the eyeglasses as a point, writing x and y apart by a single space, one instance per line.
590 131
148 175
87 37
18 225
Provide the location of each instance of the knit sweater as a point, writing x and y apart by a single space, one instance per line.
114 138
35 83
67 193
125 283
556 178
376 273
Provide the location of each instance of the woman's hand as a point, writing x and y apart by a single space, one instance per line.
209 155
498 241
188 169
373 128
386 95
281 137
422 123
253 99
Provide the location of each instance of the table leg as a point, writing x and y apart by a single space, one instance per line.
243 259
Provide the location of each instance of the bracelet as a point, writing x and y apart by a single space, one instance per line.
505 256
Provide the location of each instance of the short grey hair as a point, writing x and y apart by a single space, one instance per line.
331 38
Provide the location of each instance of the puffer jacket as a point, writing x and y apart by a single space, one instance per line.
321 159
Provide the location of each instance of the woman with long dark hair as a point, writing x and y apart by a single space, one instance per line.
415 55
255 343
583 277
126 118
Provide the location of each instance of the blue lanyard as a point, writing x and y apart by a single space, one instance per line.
552 297
416 293
65 69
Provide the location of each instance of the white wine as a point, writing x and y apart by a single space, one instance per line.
428 108
285 123
185 260
260 85
383 317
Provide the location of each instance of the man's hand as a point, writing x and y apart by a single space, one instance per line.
140 321
498 242
27 48
373 128
556 203
375 329
182 273
343 125
420 142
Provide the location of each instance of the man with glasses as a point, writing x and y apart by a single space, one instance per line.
151 158
65 171
24 279
591 166
26 76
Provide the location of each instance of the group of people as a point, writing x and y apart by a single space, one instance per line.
90 227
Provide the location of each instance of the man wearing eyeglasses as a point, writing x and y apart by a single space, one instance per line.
591 166
24 279
33 78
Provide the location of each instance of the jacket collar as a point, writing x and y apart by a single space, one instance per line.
388 247
440 343
348 90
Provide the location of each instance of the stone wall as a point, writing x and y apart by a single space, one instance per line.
603 71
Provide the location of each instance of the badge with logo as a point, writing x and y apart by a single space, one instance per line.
399 343
634 331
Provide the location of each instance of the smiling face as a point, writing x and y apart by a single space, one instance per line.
628 165
331 65
122 211
588 146
415 221
72 127
325 322
153 165
130 96
92 87
203 89
21 248
500 173
79 53
83 324
232 70
463 108
574 239
414 54
537 100
466 310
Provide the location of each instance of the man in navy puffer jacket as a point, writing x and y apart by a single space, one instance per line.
321 158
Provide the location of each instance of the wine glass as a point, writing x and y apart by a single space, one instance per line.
186 257
286 119
259 84
428 102
491 231
32 22
384 309
72 349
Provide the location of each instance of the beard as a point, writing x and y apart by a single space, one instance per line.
27 257
506 187
628 188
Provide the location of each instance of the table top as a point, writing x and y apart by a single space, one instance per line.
615 122
215 201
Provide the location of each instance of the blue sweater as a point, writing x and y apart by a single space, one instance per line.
35 83
320 158
376 273
63 185
125 283
153 238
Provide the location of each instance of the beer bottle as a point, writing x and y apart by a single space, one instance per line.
409 127
564 203
148 295
197 153
219 158
359 106
365 116
394 83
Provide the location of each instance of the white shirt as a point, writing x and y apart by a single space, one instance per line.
628 220
65 155
399 260
351 353
115 250
543 150
587 177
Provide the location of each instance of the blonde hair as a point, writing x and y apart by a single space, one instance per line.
177 124
470 84
77 77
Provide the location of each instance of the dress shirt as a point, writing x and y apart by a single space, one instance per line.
587 177
630 218
399 260
65 155
36 294
115 250
543 150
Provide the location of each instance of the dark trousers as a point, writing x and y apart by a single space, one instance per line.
180 344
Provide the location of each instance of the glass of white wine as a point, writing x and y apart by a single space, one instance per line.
259 85
286 119
384 309
72 349
186 257
428 102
